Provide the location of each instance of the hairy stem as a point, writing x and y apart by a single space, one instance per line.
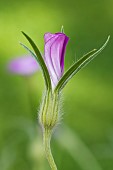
49 156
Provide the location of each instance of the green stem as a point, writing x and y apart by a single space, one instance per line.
49 156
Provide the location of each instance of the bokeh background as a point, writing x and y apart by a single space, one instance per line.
84 140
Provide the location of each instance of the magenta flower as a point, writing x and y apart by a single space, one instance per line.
52 66
24 65
55 46
52 62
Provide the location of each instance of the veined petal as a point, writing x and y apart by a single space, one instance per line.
55 45
48 36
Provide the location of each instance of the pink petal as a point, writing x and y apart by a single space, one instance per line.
55 45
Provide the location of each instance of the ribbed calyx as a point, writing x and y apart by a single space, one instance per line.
49 111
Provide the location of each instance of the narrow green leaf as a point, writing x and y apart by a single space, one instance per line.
82 62
31 52
40 60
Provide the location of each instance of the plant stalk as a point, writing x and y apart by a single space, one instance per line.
46 140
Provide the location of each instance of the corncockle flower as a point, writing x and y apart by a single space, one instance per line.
55 45
23 65
52 66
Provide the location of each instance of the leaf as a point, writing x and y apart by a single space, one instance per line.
31 52
82 62
40 60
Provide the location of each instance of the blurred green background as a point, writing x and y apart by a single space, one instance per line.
84 141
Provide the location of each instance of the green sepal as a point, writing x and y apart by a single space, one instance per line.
82 62
40 60
62 29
